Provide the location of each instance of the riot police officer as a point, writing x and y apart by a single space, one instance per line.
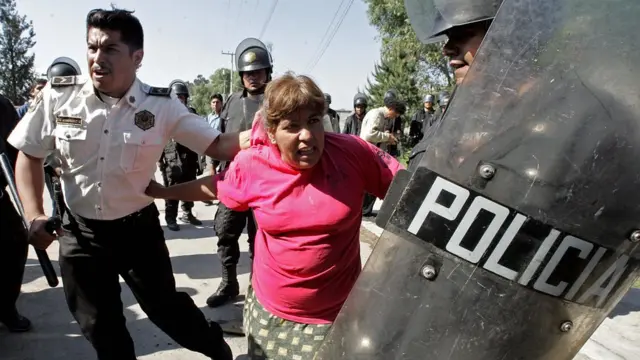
62 66
179 164
333 115
443 102
353 122
422 120
255 65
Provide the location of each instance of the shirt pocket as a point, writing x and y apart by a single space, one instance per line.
140 150
72 144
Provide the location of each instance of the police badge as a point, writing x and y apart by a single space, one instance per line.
145 120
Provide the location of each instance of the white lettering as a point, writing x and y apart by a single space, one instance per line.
539 257
430 205
479 203
616 269
492 263
569 241
585 273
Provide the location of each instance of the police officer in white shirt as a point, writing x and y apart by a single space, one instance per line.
110 129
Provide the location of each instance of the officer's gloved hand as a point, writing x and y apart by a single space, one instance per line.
38 236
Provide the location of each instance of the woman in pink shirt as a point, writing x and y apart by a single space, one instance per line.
306 188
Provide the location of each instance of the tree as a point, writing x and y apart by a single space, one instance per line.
390 18
201 88
395 71
16 40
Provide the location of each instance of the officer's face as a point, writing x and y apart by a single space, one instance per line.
254 80
112 64
359 110
462 47
183 99
428 105
216 105
300 139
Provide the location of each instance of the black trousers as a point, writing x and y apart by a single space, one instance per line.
229 225
92 255
171 206
13 255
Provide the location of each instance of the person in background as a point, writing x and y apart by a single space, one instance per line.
37 87
353 122
375 130
13 237
443 102
334 118
215 121
422 120
305 266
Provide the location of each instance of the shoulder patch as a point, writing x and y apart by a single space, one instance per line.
158 91
64 81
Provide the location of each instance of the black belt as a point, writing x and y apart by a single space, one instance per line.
148 211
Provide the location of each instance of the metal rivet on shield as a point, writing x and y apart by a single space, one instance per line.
429 272
635 236
566 326
486 171
132 99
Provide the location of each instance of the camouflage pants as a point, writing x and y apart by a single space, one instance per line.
274 338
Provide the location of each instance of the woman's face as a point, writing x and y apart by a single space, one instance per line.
300 139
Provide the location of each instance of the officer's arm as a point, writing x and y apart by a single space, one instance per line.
33 137
347 126
189 130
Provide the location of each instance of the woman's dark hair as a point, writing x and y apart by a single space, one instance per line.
118 20
216 96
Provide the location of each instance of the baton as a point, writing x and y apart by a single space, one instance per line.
51 225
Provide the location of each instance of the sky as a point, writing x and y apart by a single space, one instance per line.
185 38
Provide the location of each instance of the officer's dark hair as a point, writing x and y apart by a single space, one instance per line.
396 105
120 20
216 96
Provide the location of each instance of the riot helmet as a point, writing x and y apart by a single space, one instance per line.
179 87
443 99
431 19
252 54
327 99
391 94
429 98
63 66
360 99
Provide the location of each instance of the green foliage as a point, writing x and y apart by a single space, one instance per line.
395 71
201 88
16 40
431 72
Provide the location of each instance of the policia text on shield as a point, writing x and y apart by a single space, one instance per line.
518 231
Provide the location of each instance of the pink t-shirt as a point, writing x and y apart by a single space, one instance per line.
307 248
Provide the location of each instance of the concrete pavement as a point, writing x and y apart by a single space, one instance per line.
197 271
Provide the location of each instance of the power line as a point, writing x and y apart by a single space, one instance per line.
316 59
230 70
266 23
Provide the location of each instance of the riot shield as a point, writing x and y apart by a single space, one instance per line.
518 233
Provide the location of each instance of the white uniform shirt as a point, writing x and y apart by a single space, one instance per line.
109 149
373 125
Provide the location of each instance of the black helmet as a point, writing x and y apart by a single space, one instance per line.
391 94
252 54
443 98
429 98
63 66
431 19
179 87
327 98
360 99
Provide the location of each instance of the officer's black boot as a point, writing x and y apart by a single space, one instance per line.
228 289
188 218
172 225
15 322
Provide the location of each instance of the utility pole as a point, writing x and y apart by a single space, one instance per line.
230 72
